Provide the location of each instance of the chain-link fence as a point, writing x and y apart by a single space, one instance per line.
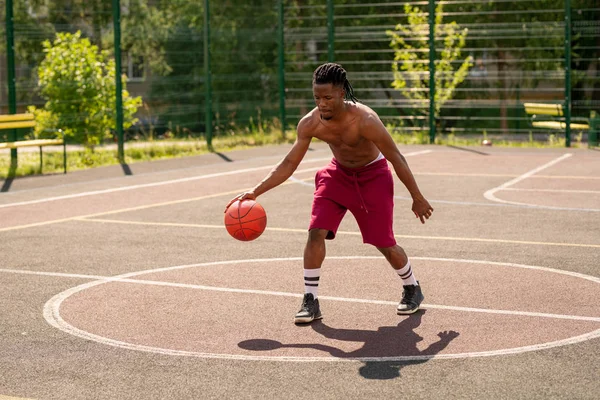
247 66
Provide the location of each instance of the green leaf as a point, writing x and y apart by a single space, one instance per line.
79 90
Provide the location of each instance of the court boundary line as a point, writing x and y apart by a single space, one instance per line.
51 314
108 279
490 194
237 191
292 179
567 177
139 186
494 204
116 279
122 210
152 173
175 181
551 190
474 203
352 233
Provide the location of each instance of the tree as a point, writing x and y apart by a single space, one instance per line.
78 83
411 58
144 33
524 40
586 63
243 57
39 20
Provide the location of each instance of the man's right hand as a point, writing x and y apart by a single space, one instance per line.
244 196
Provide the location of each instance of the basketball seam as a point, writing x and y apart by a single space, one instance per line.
250 229
252 220
240 222
247 212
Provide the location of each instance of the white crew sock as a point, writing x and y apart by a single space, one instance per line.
311 281
406 273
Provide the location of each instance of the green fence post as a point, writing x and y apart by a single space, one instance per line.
518 109
12 91
431 71
567 73
594 129
281 67
207 75
116 6
330 32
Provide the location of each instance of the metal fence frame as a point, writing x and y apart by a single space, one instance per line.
281 65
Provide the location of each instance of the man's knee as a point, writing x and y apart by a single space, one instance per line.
386 251
390 251
317 235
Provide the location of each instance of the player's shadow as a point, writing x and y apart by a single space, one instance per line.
396 342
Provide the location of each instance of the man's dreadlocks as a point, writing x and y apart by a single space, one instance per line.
336 75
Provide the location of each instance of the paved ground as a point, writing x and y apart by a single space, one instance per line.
122 283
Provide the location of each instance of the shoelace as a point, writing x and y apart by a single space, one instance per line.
409 293
307 304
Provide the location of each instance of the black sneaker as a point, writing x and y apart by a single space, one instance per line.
411 300
309 311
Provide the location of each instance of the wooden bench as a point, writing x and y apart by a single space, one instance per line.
26 121
551 116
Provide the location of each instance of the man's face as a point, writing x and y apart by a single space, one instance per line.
329 99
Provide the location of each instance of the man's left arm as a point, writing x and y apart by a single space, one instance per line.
373 129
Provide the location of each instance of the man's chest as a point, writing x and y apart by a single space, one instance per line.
340 137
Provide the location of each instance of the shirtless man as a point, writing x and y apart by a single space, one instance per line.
357 179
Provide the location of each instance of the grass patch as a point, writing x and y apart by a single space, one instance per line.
29 161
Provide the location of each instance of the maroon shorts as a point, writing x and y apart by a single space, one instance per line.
368 192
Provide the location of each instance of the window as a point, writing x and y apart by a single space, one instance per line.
133 67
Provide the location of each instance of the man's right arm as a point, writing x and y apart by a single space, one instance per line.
283 170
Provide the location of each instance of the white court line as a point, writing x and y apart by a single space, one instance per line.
122 210
53 317
300 181
475 203
123 279
456 174
137 175
415 153
153 173
145 185
576 177
297 230
129 209
173 181
529 206
292 178
490 194
553 190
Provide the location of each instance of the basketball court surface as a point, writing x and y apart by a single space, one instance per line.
122 283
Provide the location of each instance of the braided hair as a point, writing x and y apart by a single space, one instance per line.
336 75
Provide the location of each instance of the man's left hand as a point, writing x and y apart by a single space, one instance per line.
422 209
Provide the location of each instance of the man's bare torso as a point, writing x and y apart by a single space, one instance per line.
344 136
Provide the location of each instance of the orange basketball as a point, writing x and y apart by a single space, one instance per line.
245 220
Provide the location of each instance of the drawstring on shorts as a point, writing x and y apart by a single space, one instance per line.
354 173
362 201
